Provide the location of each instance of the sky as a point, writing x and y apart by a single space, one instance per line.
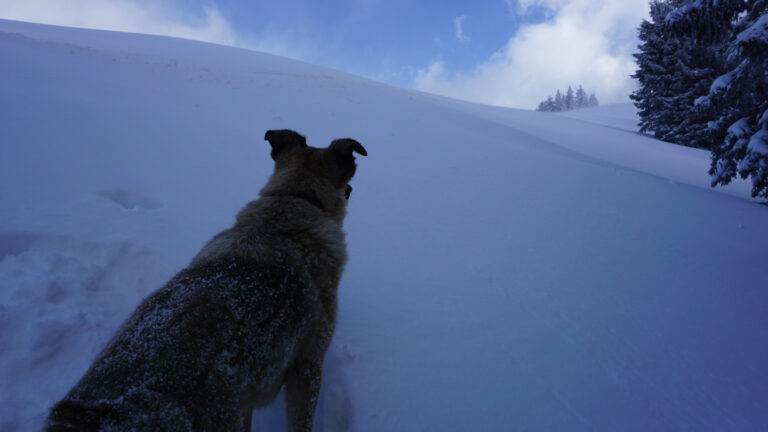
501 52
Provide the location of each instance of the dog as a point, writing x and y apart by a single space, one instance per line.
254 312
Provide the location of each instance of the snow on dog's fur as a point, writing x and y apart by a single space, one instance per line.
253 312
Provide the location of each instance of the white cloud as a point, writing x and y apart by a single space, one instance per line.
158 17
459 23
588 42
123 15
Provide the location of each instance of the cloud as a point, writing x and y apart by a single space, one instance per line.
158 17
458 23
123 15
588 42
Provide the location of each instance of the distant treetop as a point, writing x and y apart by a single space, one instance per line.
571 101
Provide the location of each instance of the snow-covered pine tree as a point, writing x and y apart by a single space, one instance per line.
739 97
559 102
569 102
549 104
673 70
579 100
582 100
652 69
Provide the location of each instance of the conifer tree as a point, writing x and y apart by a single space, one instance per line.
652 71
569 102
547 105
551 104
673 71
738 99
582 101
559 102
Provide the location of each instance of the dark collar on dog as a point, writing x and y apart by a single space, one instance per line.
307 196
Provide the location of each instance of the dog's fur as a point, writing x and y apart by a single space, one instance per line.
253 312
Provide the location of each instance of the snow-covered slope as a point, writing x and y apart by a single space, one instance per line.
510 270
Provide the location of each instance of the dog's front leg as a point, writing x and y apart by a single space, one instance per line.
302 387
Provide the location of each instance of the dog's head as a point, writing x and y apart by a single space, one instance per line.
318 175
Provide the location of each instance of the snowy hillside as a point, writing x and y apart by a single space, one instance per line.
510 270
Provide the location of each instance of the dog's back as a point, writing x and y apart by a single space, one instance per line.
188 356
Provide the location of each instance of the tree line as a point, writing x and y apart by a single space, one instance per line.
703 74
571 101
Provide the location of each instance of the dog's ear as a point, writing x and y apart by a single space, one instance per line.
284 141
341 153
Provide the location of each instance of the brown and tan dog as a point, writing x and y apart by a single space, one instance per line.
253 312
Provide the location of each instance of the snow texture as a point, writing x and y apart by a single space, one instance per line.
722 82
757 32
758 143
739 129
509 270
680 13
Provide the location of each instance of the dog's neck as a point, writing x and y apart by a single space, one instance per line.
308 196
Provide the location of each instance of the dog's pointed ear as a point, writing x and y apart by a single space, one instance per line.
284 141
341 152
347 146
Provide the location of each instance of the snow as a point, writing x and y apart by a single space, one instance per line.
724 81
509 270
756 33
679 13
702 100
619 116
740 128
758 143
763 122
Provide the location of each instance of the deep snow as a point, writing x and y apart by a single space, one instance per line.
510 270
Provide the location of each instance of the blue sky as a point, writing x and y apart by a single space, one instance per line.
388 40
502 52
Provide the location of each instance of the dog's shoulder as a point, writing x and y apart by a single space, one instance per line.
277 228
